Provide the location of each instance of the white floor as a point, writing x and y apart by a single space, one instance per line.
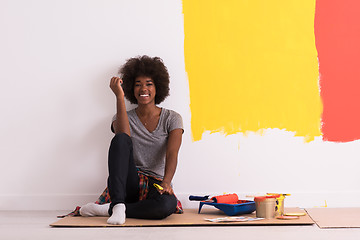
35 225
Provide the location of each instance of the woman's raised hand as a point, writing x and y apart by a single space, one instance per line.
115 85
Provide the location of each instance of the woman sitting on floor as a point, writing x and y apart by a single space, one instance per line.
145 147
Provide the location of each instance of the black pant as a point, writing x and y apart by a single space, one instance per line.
123 184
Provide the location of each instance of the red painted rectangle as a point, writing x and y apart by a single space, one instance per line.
337 34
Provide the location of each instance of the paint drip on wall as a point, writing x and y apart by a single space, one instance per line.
249 70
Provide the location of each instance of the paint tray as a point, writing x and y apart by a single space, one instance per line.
242 207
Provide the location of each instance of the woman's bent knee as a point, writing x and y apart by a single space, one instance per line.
120 139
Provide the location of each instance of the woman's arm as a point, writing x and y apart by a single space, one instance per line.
121 124
172 150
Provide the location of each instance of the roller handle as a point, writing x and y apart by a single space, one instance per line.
198 198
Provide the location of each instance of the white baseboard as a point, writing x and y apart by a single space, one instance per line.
69 202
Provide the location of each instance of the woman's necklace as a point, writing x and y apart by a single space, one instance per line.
149 122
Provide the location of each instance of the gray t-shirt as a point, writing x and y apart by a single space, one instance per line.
149 148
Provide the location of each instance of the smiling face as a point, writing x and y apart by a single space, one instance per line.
144 90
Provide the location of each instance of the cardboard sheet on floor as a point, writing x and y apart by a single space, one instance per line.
335 217
190 217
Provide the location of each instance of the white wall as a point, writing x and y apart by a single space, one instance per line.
56 60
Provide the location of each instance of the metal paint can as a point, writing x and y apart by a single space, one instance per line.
266 206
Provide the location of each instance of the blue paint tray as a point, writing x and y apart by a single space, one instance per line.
242 207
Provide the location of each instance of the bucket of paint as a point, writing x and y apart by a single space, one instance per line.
280 205
266 206
280 197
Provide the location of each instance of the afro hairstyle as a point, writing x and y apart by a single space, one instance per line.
145 66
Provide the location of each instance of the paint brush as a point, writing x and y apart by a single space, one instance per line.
158 186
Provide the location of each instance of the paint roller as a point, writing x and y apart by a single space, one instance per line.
226 198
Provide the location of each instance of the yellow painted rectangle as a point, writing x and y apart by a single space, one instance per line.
252 65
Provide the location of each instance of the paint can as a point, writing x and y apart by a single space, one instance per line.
280 197
266 206
280 205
